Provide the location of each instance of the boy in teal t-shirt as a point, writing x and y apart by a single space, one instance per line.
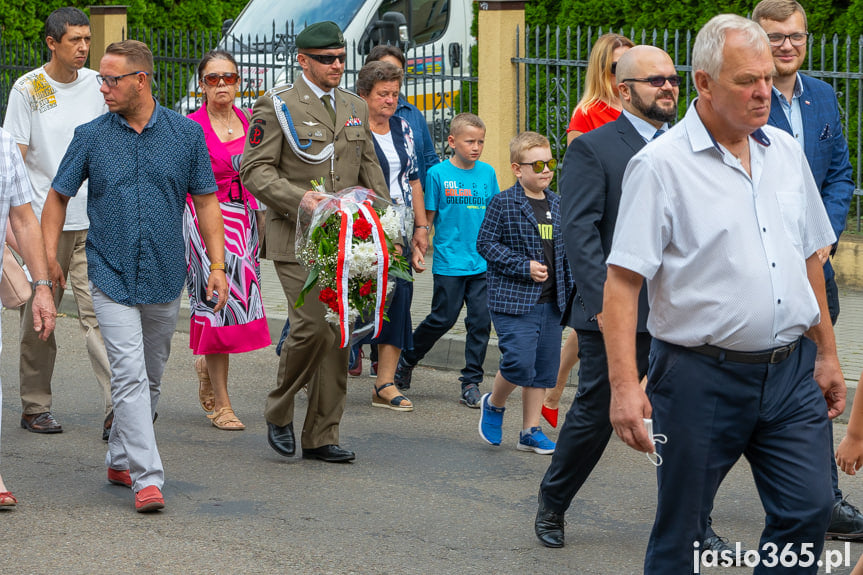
456 195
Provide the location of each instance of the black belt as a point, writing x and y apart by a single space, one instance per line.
775 355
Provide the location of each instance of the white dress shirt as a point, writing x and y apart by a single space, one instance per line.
320 92
724 254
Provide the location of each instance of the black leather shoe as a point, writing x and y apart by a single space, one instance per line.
41 423
713 542
282 439
330 454
846 522
548 526
724 551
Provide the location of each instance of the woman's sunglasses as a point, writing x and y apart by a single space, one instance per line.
230 79
539 165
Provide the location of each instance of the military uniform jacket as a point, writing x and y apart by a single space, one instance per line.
274 174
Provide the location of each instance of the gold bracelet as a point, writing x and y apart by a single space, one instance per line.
217 266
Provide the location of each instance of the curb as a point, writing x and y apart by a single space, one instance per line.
447 353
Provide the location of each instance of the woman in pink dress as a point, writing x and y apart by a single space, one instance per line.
241 325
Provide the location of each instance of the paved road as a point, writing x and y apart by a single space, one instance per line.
425 496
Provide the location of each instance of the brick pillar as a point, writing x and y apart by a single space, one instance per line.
107 25
498 21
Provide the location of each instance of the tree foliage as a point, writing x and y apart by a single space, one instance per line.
24 20
20 19
825 16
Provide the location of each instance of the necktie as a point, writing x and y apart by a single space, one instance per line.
658 133
330 110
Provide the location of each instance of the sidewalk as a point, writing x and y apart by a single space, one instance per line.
448 353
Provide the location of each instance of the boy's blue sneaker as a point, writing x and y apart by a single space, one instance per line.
491 421
535 441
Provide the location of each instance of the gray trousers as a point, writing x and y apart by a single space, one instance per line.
138 341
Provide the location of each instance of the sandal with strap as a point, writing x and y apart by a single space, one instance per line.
225 418
206 396
7 499
398 403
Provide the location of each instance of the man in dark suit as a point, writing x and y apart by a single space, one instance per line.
590 186
807 109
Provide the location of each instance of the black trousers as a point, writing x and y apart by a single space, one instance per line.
586 429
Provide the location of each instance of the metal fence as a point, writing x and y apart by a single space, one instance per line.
264 62
16 59
555 61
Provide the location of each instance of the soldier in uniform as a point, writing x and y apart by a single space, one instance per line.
299 133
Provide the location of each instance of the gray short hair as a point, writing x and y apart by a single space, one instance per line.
707 52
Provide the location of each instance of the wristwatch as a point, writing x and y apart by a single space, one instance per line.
217 266
48 283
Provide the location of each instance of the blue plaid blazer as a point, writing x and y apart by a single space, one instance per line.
508 240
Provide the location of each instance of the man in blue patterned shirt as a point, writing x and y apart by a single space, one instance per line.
141 160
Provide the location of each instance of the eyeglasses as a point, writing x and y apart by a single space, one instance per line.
657 81
797 39
539 165
112 81
327 59
212 79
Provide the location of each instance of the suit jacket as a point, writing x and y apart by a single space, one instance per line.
274 174
509 239
590 186
825 148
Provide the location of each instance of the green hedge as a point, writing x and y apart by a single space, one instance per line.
825 16
24 20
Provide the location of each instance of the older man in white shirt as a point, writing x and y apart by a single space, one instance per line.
723 219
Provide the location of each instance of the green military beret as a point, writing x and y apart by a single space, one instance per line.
321 35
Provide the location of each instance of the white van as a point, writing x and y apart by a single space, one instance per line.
435 35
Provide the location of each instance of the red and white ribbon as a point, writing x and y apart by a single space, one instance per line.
383 267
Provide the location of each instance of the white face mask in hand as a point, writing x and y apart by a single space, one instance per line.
655 438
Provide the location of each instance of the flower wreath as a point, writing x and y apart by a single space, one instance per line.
348 246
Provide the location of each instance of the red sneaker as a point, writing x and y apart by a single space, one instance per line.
119 477
149 499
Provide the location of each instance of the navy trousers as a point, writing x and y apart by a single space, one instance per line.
450 293
586 429
713 412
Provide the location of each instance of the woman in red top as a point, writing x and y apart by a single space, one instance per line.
599 103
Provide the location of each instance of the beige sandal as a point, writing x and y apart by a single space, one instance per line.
397 403
225 418
205 388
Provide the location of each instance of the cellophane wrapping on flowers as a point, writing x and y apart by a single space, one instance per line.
319 243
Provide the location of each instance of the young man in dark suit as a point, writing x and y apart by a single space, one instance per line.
807 109
590 186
